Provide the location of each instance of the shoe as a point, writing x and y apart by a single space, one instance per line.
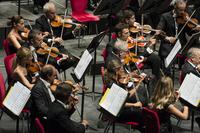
198 121
35 10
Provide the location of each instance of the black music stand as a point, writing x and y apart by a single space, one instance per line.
92 47
194 41
77 80
109 7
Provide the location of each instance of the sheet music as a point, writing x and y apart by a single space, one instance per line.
113 99
190 89
16 98
172 53
82 65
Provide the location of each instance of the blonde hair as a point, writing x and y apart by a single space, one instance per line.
23 53
163 93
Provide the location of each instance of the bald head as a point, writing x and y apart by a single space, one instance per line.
49 73
194 55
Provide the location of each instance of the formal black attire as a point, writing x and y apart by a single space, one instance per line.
131 113
165 122
58 120
43 25
169 25
59 65
40 101
189 68
153 60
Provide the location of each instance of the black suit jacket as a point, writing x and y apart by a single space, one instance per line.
58 120
40 100
167 24
43 25
188 68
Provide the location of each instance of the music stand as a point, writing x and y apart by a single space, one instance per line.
194 41
109 7
80 78
92 47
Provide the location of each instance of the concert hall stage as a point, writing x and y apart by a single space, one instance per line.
7 125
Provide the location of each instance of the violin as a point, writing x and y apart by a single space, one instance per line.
24 34
45 49
182 18
75 87
131 57
145 29
66 22
124 78
34 67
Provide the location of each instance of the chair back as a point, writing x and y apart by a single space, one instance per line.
2 90
104 54
151 121
78 6
39 126
8 62
6 47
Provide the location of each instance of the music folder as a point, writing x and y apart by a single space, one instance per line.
190 89
16 99
113 100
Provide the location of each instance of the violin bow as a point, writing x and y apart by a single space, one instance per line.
66 12
28 22
52 43
188 20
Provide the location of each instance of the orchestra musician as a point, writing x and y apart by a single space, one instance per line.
118 47
60 111
163 101
132 110
152 59
41 95
41 50
169 24
20 72
44 23
14 37
192 64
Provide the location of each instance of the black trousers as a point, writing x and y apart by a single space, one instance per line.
154 62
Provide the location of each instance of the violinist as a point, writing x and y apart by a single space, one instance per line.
120 45
163 101
14 37
132 110
41 52
151 58
168 24
60 111
20 72
44 23
41 95
192 65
